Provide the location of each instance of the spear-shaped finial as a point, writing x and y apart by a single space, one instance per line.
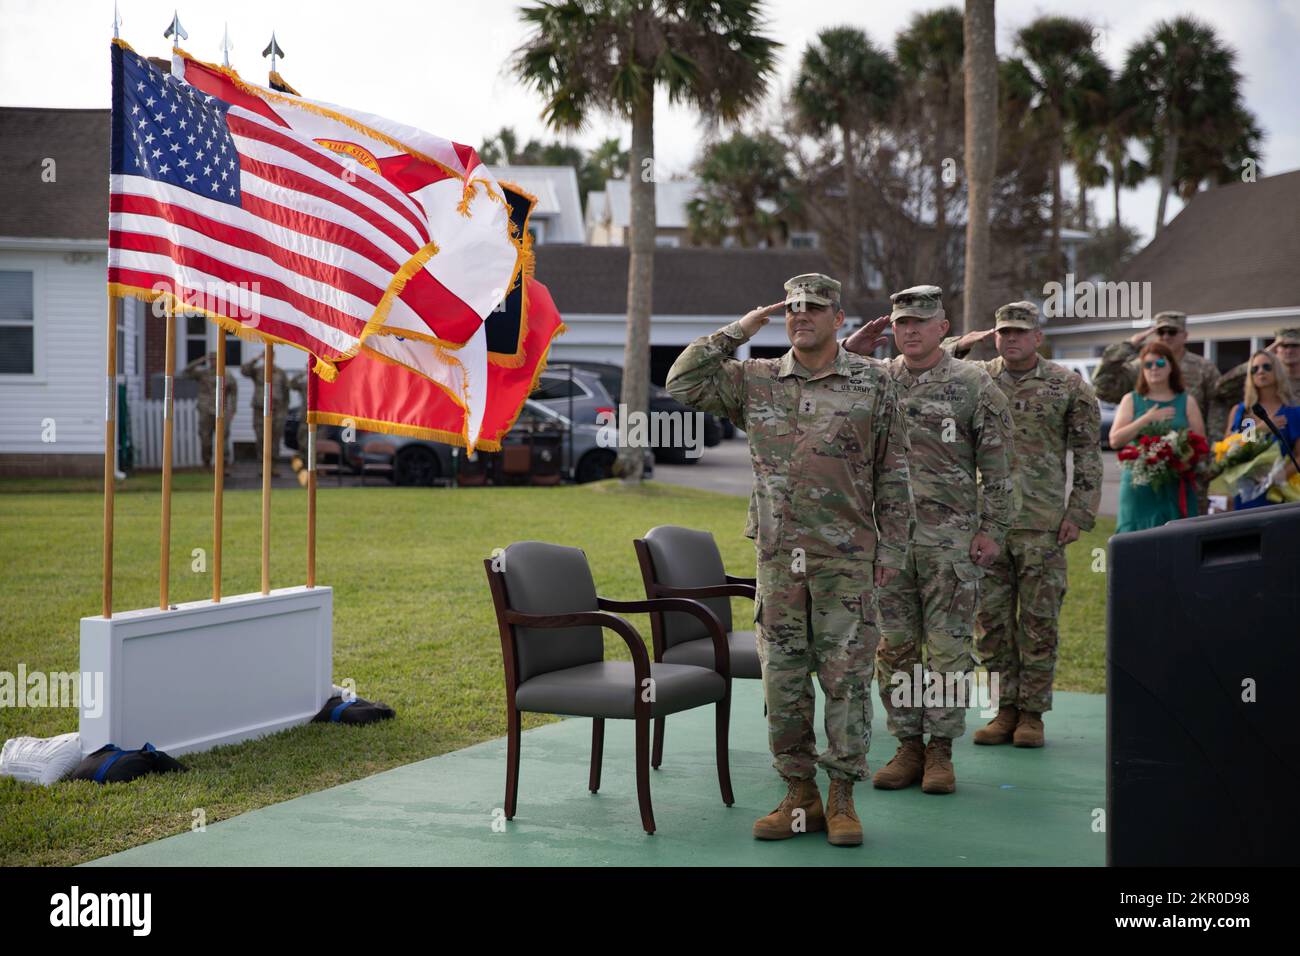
226 46
273 50
117 20
176 32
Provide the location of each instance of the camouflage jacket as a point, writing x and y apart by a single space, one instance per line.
1053 410
829 451
254 369
960 433
206 376
1117 375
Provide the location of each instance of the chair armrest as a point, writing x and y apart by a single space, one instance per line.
721 652
712 591
621 627
732 579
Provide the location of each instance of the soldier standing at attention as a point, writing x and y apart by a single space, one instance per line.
1054 411
204 370
834 516
279 406
1117 374
959 429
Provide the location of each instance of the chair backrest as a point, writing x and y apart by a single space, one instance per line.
686 558
543 578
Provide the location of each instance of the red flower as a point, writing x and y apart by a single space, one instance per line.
1127 453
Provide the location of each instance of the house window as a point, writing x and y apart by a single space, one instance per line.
17 324
668 242
196 338
803 240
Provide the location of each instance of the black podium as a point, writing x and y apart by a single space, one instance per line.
1202 615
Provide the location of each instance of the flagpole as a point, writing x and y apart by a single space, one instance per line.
268 442
219 464
169 380
311 501
110 443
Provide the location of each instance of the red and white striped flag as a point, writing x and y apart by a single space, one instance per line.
325 228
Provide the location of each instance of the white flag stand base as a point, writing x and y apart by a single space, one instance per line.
207 674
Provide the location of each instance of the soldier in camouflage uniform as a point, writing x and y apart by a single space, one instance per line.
959 429
279 406
204 370
1232 384
833 502
1054 410
1117 374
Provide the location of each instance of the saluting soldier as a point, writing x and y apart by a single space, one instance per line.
279 406
834 515
204 370
960 432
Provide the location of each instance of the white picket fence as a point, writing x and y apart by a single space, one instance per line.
147 433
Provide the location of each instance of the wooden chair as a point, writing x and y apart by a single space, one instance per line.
324 448
550 619
383 449
684 563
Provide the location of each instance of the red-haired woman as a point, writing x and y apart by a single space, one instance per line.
1158 404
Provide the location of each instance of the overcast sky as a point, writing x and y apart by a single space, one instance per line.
439 64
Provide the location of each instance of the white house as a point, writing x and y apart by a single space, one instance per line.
557 217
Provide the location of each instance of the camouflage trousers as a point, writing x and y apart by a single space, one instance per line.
1016 627
820 619
930 607
277 423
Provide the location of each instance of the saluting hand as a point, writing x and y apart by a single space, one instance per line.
870 337
1139 337
755 319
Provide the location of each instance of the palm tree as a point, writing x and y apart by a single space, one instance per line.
845 82
1117 129
588 56
979 35
501 148
1064 81
1189 90
745 185
929 55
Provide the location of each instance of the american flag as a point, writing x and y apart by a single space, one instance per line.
329 229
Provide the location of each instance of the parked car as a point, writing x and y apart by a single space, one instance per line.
420 461
1086 368
574 392
611 376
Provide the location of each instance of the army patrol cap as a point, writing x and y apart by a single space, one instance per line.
811 287
1016 315
1172 320
921 301
1288 336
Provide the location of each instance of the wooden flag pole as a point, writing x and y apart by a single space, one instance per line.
110 445
169 396
311 503
269 441
218 465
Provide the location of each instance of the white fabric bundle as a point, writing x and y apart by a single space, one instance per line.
40 760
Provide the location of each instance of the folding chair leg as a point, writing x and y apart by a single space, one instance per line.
643 773
512 761
597 751
657 755
724 763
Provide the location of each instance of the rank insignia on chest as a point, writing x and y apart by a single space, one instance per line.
806 405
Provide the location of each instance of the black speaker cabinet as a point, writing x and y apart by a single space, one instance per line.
1203 691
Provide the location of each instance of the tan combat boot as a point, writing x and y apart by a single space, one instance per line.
842 825
1000 728
784 822
939 776
906 767
1029 732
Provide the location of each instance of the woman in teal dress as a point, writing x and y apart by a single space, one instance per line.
1158 404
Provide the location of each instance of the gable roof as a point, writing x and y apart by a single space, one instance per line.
1232 247
75 204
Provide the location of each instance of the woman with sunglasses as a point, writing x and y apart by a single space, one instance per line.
1159 403
1268 384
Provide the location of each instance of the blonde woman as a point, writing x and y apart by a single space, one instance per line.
1268 384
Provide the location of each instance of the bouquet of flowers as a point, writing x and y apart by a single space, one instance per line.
1249 464
1174 457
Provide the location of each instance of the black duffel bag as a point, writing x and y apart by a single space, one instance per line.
354 711
112 764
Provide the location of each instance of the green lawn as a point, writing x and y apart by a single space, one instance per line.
413 626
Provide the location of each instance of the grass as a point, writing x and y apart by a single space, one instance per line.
413 626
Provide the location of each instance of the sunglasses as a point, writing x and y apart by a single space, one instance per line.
1167 332
1255 370
1154 363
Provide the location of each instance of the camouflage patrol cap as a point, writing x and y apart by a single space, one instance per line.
1289 336
811 287
1016 315
1172 320
921 301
